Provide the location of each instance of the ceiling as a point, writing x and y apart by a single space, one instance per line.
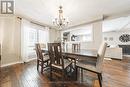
77 11
117 24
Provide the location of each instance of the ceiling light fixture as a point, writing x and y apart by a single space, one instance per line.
61 22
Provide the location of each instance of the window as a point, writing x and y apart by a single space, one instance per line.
31 35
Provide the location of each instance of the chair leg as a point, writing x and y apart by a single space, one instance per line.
51 73
42 67
81 75
100 79
76 73
100 76
70 69
47 63
37 64
63 78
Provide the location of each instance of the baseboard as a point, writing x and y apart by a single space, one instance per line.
30 60
106 58
126 55
9 64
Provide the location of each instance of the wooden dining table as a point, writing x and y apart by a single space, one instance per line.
78 53
81 52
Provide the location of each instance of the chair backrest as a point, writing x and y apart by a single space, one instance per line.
55 54
42 45
75 46
101 54
38 51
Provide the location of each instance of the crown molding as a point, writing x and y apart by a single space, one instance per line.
34 21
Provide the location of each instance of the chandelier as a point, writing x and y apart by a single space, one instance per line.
61 22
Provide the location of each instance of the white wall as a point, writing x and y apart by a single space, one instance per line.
115 36
96 35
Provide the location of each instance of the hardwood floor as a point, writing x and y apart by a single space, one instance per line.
116 73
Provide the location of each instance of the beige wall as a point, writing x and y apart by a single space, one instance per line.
10 39
54 35
97 37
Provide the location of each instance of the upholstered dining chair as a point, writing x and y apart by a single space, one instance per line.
42 60
57 61
97 67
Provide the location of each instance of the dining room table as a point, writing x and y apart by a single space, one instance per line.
82 53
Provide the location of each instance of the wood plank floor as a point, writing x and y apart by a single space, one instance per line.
116 73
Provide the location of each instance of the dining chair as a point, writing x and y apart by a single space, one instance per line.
95 68
73 58
43 46
76 46
42 60
57 61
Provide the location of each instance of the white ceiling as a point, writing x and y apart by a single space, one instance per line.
77 11
117 24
